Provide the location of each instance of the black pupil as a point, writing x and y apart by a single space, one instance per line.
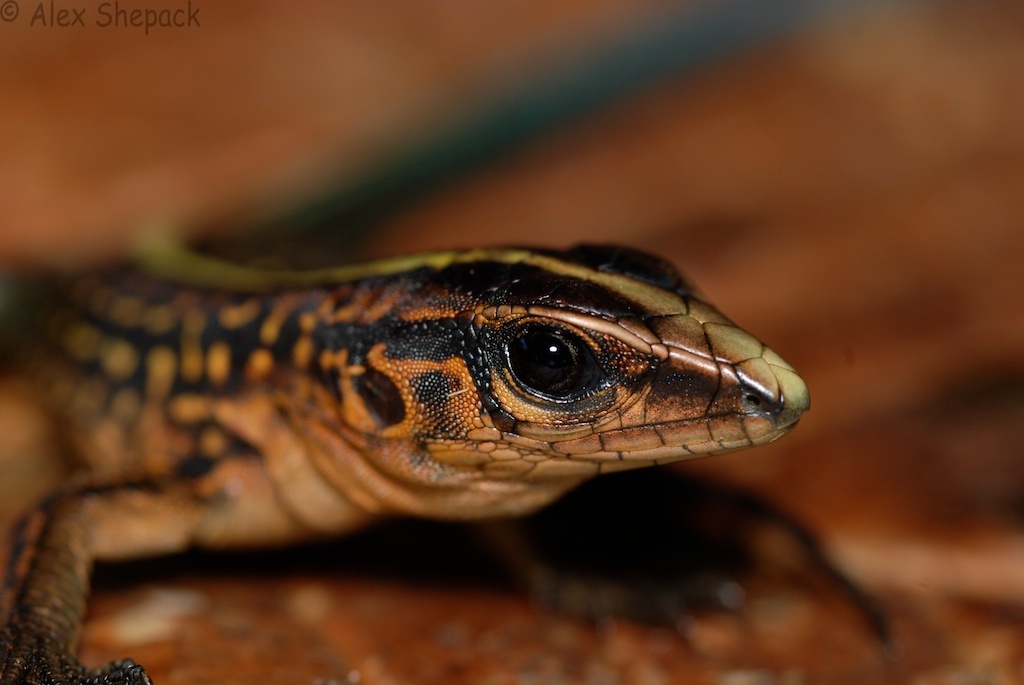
552 362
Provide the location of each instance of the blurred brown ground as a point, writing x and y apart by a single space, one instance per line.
853 195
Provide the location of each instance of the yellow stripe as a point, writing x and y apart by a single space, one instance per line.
179 264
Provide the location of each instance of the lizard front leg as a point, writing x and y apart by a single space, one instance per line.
47 585
55 546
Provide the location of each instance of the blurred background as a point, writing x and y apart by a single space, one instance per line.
845 180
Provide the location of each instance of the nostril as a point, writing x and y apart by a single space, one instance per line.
776 394
759 395
760 400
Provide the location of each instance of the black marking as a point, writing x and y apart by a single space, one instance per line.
632 263
430 340
381 396
196 466
496 284
687 394
478 364
288 333
433 390
332 379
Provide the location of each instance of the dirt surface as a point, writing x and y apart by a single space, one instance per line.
851 195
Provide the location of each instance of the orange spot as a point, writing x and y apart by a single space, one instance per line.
161 366
212 442
218 363
118 358
236 316
269 330
192 361
302 353
189 408
259 364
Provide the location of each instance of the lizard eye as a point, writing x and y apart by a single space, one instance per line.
553 362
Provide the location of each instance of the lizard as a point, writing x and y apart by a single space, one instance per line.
217 405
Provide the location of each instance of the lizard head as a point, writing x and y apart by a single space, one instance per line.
516 371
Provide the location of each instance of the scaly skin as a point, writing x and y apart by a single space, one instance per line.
218 406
